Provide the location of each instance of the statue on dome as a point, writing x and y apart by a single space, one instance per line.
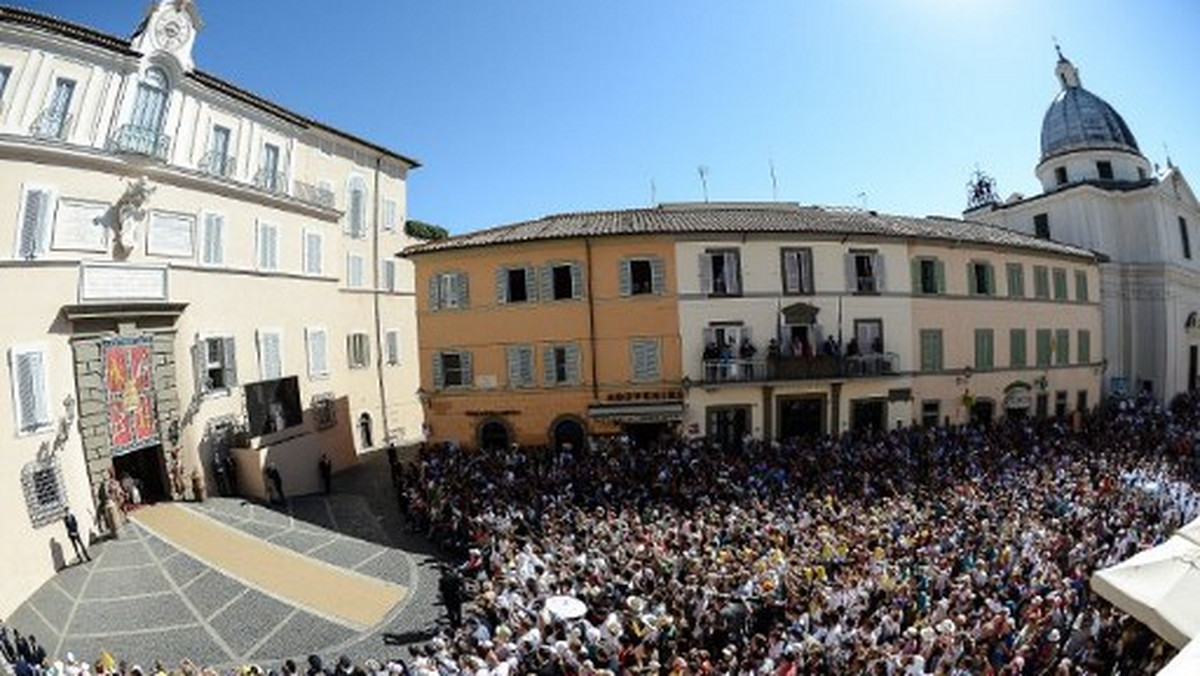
981 190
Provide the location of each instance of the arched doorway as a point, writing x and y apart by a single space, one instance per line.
568 430
983 411
365 437
493 435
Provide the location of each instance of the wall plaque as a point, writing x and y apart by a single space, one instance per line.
99 283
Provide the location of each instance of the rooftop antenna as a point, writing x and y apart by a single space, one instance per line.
862 197
703 171
774 183
1058 49
653 193
1167 152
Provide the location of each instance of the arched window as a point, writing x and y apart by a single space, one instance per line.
150 106
1193 321
364 431
356 208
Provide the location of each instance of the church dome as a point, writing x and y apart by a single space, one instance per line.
1079 120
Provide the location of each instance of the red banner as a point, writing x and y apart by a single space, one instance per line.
129 383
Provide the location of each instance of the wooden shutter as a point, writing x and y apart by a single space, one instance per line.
1083 348
514 366
200 364
546 279
658 275
32 242
527 365
31 384
315 338
434 291
462 290
531 285
393 347
576 280
915 267
501 286
548 365
706 280
572 358
989 273
230 362
468 370
939 272
972 289
791 272
733 273
439 375
851 273
625 276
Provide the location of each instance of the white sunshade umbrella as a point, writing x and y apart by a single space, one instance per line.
1186 663
1160 587
566 607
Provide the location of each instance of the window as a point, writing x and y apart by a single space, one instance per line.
1104 168
1016 280
358 350
562 281
797 271
317 343
28 371
150 105
1081 286
42 484
268 246
931 412
1060 175
1041 226
561 364
1062 347
356 209
1060 284
53 122
452 369
984 349
929 276
216 364
720 273
1045 346
212 245
1060 403
520 366
1042 407
217 160
391 341
5 73
1184 241
516 285
389 214
1081 400
931 350
980 279
1041 282
37 211
354 271
1017 348
864 272
448 290
642 276
1083 346
314 257
171 234
644 360
269 177
388 272
270 357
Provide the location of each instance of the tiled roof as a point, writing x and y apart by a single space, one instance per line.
14 15
746 217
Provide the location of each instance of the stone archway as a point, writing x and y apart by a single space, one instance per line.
568 430
493 434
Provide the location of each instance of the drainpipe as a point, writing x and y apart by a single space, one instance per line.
379 337
587 244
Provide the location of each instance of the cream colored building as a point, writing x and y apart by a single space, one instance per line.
173 245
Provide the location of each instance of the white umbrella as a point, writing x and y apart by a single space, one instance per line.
1186 663
566 607
1191 531
1160 587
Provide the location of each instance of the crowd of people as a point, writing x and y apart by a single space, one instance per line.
918 551
913 552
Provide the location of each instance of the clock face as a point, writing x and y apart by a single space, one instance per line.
171 29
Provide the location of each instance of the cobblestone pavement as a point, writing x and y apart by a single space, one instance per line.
142 599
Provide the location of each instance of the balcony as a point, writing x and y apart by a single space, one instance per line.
818 367
219 164
134 140
51 124
313 194
274 182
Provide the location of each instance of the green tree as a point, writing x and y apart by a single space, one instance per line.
423 230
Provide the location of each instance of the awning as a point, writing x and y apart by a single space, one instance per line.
639 413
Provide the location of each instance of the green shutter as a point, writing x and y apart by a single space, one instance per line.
1062 349
1016 348
915 266
1084 347
939 272
971 279
1043 347
230 364
658 275
1081 287
990 274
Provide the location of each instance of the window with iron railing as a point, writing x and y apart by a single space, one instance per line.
55 120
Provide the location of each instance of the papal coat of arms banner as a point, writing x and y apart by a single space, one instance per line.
129 383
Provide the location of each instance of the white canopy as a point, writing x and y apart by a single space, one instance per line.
1160 586
1186 663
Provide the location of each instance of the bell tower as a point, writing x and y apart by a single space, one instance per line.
169 29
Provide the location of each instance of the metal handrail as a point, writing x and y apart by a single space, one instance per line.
51 123
137 140
216 163
813 367
313 194
274 182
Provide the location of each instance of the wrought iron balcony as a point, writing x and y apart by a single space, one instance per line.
51 124
816 367
134 140
313 194
216 163
274 182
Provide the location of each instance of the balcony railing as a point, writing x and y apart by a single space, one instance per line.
822 366
313 194
216 163
274 182
51 124
135 140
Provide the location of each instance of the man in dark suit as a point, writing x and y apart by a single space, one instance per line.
72 525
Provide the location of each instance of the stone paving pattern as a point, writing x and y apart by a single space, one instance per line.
142 599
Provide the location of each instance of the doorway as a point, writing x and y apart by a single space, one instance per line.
147 468
493 436
727 425
568 433
983 411
868 415
801 417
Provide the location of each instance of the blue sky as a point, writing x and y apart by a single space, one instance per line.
520 109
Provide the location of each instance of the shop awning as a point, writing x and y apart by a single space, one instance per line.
639 413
